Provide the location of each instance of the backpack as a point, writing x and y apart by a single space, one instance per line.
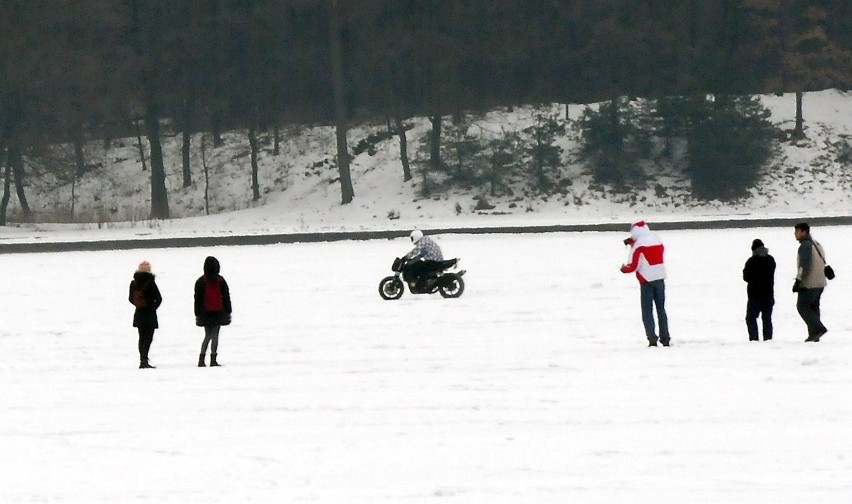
213 296
137 295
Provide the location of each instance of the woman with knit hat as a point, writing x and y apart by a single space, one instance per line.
145 296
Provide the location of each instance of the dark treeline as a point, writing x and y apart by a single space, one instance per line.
75 71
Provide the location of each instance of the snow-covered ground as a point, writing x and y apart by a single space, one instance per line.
534 387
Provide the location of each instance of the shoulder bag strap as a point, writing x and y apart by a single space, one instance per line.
817 247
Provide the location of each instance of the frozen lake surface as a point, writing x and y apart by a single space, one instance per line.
534 387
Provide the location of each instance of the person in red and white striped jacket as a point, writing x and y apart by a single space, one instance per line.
646 260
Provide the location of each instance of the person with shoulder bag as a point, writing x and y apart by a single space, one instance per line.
212 308
810 281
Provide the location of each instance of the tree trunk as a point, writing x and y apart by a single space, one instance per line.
799 132
79 160
17 162
218 74
693 55
494 170
539 160
7 174
434 152
159 196
73 198
399 128
141 147
435 142
79 154
255 186
217 130
206 175
185 163
276 140
784 42
347 193
188 104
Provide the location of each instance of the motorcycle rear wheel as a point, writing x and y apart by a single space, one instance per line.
391 288
452 286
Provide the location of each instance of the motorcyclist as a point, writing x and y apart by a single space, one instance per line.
426 255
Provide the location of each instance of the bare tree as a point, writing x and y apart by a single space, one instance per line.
435 142
16 160
347 193
159 195
7 173
399 128
140 146
276 140
146 42
255 186
206 174
186 125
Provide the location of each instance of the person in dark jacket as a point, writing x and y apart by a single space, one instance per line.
212 308
145 296
759 274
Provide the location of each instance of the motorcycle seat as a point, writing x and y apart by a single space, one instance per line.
449 263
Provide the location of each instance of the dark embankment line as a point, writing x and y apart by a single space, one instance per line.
218 241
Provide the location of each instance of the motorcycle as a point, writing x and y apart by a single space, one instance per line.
448 283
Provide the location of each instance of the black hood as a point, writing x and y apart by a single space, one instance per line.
211 267
142 277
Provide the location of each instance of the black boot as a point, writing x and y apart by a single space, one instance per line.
213 360
201 361
143 364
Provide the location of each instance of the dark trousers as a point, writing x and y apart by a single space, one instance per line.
211 337
654 294
759 308
146 337
807 305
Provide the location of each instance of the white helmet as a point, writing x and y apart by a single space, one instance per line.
416 235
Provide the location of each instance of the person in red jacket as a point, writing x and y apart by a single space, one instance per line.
646 260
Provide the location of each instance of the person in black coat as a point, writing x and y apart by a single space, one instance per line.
212 308
145 296
759 274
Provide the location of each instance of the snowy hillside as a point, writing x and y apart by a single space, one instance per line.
300 192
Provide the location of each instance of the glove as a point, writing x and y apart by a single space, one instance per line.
198 322
628 241
797 286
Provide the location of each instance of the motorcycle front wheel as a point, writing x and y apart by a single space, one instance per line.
391 288
452 286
